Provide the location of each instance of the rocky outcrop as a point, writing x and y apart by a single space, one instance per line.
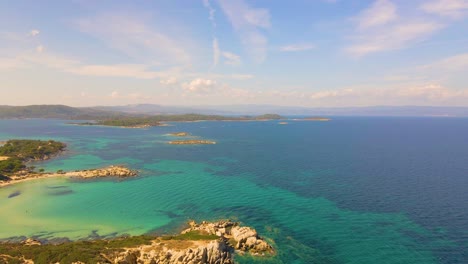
242 238
163 252
191 142
118 171
232 238
179 134
111 171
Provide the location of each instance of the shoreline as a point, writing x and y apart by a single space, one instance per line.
110 171
205 242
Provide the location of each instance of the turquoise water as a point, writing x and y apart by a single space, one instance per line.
353 190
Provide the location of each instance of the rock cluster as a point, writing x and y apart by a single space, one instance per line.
180 134
244 239
191 142
209 252
232 238
118 171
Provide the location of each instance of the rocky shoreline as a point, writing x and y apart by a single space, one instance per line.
111 171
206 242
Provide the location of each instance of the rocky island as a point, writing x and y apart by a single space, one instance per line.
211 243
312 119
179 134
191 142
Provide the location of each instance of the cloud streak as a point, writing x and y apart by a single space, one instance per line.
379 29
250 24
447 8
297 47
132 36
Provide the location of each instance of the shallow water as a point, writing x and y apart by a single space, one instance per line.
352 190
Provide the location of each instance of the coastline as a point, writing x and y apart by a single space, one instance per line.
205 242
110 171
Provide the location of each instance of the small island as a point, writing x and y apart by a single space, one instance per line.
312 119
179 134
192 142
206 242
158 120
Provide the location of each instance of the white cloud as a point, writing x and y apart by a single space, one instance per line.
379 28
457 63
448 8
115 94
133 36
417 94
118 70
169 81
34 32
391 38
380 13
297 47
200 85
249 23
231 58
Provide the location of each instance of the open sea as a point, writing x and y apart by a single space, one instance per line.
352 190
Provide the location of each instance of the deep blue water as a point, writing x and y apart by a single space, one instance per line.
351 190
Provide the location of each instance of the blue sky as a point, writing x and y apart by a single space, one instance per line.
216 52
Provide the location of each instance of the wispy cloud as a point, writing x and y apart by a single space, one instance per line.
456 63
119 70
134 37
381 12
379 28
216 52
392 38
448 8
231 58
249 23
297 47
211 12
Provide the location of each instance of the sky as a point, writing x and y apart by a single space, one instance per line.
313 53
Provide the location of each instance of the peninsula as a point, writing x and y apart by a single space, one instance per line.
111 171
158 120
15 154
206 242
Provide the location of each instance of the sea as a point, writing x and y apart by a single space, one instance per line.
377 190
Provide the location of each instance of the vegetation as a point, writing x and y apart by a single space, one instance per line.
55 111
192 235
85 251
21 151
146 121
25 149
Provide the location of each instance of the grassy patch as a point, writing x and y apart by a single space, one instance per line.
192 235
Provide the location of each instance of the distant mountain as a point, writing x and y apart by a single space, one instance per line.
104 112
293 110
154 109
54 111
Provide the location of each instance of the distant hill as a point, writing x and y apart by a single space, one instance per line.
108 112
152 109
54 111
